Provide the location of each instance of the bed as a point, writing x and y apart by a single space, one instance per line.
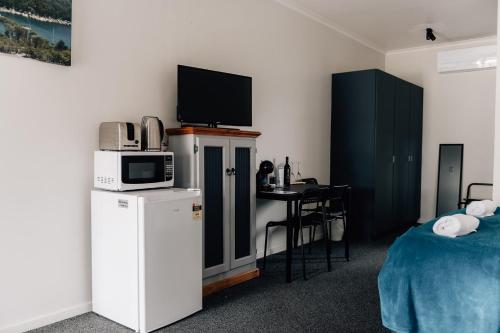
431 283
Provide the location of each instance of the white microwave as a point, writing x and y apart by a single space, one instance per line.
129 171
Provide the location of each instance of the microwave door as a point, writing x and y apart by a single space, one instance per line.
143 169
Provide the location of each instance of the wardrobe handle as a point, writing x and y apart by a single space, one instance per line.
233 171
228 172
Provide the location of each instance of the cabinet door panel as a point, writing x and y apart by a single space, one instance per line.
415 147
242 202
214 159
401 152
214 207
384 142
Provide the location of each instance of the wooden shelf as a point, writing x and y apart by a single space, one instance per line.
212 131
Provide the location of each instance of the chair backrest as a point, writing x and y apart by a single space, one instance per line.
312 196
339 197
338 191
479 191
309 180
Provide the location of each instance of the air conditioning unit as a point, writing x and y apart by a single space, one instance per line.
469 59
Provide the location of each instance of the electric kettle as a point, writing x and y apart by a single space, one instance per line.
152 133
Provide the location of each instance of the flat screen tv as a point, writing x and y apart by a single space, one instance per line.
213 98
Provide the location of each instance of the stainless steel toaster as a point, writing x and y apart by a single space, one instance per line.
119 136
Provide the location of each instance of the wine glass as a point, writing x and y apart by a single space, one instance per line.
292 175
299 176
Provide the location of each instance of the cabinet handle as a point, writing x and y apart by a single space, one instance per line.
233 171
228 172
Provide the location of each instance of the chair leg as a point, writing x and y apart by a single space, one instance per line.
314 233
327 246
346 239
346 248
303 254
330 229
265 250
346 235
310 239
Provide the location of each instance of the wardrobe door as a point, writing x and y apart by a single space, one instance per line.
415 149
401 152
384 142
352 149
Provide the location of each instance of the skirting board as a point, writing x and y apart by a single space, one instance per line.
217 286
47 319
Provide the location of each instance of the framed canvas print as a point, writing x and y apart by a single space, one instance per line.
36 29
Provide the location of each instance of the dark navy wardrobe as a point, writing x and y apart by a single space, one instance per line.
376 147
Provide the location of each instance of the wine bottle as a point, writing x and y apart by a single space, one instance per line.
287 173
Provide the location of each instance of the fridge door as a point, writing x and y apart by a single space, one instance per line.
115 257
170 258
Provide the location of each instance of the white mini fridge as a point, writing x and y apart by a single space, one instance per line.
146 256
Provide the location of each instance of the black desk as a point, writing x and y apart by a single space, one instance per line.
292 195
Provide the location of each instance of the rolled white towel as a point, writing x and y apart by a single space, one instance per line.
455 225
481 208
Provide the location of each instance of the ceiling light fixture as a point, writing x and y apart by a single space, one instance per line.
429 35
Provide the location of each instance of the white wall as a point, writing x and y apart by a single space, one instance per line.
125 54
458 108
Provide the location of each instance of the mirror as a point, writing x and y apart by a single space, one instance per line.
449 189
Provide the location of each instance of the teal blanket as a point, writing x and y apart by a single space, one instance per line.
431 283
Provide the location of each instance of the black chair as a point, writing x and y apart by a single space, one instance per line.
469 198
338 209
312 227
310 197
339 202
312 219
272 224
309 180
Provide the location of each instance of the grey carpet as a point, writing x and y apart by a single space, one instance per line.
344 300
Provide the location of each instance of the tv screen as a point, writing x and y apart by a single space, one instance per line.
209 97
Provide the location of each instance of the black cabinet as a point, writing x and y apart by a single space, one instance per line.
376 148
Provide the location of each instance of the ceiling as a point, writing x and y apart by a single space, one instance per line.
398 24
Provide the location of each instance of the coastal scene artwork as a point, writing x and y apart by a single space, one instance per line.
36 29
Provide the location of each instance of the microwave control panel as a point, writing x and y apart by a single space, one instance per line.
169 167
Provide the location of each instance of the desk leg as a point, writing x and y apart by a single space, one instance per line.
326 236
289 244
296 227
